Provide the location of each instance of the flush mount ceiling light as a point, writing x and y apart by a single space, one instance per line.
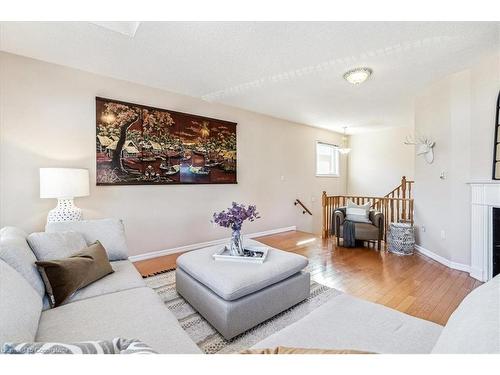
358 75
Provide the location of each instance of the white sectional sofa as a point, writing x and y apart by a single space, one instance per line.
346 322
118 305
121 305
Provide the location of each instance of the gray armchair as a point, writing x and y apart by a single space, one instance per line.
373 231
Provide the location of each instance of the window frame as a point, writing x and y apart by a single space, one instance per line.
337 160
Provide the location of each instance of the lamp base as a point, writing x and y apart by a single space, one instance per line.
64 211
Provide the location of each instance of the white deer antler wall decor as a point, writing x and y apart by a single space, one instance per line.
424 147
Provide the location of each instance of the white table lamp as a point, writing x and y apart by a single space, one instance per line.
64 184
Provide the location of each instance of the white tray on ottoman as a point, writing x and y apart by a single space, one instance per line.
235 297
224 255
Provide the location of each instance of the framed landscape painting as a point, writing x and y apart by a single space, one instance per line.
141 145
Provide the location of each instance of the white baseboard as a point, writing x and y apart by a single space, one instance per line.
478 274
442 260
180 249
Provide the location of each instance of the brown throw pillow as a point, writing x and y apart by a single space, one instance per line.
63 277
286 350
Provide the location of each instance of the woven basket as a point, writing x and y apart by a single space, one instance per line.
401 238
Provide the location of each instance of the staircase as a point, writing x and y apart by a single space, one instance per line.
403 190
397 205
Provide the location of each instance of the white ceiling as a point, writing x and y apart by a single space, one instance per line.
290 70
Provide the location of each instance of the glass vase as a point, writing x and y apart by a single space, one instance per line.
236 248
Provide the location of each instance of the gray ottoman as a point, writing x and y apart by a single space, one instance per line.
235 297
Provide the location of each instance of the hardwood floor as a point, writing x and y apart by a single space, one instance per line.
415 285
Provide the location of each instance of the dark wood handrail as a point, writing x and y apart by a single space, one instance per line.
297 201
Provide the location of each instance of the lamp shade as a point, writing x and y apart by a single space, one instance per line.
63 182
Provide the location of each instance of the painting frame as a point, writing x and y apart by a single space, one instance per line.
159 146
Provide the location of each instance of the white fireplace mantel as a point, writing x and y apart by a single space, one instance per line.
484 182
484 196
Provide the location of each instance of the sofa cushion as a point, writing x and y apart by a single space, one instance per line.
136 313
15 251
20 306
125 277
50 246
474 327
110 232
233 280
350 323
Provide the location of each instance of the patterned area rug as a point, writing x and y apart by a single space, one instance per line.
208 339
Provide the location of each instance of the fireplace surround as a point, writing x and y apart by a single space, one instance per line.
485 229
496 241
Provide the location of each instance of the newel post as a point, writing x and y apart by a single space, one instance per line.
403 186
324 228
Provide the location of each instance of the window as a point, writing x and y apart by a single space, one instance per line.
327 160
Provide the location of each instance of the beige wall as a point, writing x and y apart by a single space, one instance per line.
378 160
47 119
458 112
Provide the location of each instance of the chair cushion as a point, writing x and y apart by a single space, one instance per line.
136 313
364 231
16 252
474 327
20 306
60 245
125 277
233 280
350 323
110 232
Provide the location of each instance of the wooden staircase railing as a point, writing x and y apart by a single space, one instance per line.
404 190
397 206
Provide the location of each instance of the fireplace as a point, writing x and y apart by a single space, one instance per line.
485 229
496 241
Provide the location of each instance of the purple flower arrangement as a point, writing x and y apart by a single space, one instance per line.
234 216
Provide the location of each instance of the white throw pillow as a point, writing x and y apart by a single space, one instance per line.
359 213
109 232
51 246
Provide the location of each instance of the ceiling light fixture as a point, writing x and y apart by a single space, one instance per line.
344 148
358 75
